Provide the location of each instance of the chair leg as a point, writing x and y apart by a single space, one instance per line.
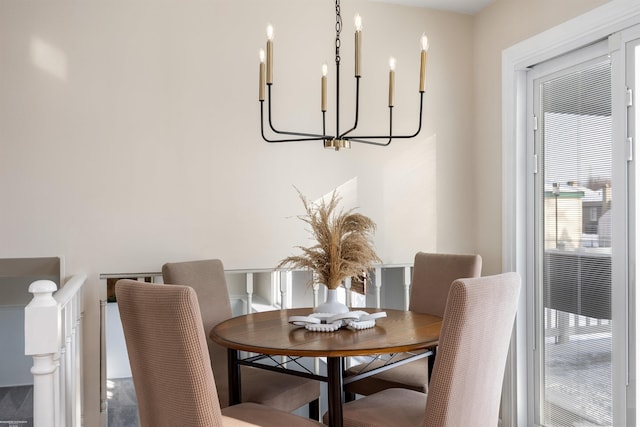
430 360
314 410
349 396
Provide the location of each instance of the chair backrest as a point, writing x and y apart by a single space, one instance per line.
168 355
207 278
466 384
432 278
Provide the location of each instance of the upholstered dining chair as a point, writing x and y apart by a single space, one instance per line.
284 392
433 275
170 365
467 377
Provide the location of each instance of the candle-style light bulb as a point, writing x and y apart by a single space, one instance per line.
424 43
262 79
358 24
392 78
323 96
269 54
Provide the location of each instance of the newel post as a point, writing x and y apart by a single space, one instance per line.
42 336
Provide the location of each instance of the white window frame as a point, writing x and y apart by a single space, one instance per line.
595 25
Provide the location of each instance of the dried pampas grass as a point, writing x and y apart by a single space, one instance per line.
343 243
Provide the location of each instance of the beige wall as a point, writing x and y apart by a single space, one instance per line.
499 26
129 135
129 132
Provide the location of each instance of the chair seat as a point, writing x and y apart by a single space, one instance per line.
278 390
396 407
413 376
260 415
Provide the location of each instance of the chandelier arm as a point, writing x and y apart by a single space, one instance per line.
273 141
364 141
337 92
359 138
324 123
355 121
318 138
381 144
313 136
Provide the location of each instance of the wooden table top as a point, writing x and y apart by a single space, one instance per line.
269 332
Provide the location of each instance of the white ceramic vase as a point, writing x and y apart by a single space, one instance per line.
331 305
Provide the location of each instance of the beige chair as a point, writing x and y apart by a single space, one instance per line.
170 364
284 392
467 377
433 275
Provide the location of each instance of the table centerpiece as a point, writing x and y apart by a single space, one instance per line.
343 248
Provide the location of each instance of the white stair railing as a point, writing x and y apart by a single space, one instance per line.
53 337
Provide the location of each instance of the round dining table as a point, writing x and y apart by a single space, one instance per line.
270 333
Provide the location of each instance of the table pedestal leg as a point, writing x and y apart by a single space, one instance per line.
235 389
334 390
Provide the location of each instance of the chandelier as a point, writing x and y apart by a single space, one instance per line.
341 139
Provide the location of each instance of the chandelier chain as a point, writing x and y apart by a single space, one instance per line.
338 30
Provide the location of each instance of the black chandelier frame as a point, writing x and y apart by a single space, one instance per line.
339 140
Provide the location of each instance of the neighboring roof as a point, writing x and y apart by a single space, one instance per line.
574 191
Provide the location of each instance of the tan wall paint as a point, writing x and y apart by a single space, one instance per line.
129 135
499 26
129 132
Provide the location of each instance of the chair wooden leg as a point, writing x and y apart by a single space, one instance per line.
314 410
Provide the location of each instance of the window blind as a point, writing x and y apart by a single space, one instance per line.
575 195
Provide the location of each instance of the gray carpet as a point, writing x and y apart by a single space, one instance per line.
580 369
16 406
122 409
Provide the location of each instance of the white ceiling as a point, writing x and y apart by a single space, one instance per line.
461 6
